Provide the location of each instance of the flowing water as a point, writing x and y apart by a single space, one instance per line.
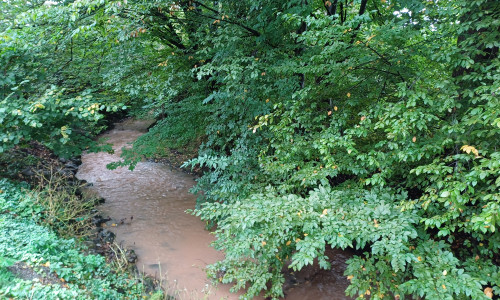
148 206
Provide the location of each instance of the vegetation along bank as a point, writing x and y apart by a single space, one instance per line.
372 125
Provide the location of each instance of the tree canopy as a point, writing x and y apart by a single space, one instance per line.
365 124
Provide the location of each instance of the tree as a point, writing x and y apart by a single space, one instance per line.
371 125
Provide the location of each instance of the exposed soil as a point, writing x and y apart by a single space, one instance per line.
42 274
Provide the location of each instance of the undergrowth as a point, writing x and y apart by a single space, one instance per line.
27 239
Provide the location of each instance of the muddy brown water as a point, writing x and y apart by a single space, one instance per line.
148 206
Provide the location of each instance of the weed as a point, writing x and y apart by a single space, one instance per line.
64 210
119 260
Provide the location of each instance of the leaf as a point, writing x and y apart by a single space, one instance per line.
445 194
468 149
488 292
209 98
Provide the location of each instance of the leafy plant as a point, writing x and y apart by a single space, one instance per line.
22 240
371 125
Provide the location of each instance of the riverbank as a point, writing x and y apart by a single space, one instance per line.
51 241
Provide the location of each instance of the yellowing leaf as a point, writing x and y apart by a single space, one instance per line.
263 243
335 108
468 149
288 243
488 292
348 95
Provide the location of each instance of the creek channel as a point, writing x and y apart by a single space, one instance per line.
147 206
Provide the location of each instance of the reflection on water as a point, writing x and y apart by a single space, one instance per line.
151 202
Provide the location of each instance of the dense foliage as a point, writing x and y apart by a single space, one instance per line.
365 124
24 238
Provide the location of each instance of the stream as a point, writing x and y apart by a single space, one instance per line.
148 207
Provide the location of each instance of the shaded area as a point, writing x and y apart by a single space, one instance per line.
147 212
43 274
